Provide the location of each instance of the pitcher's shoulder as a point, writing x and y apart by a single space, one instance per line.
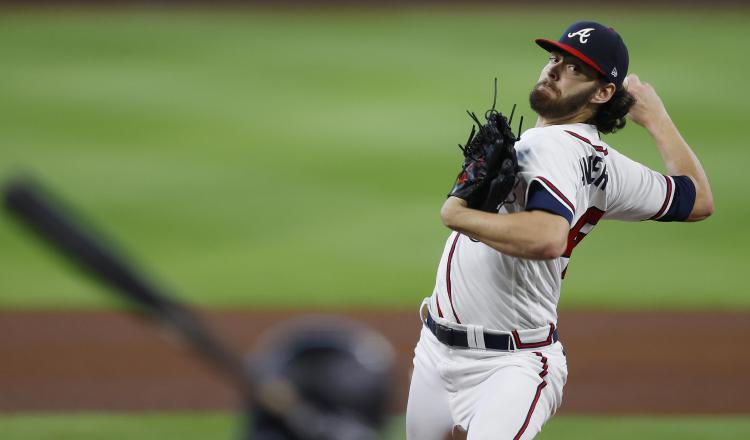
547 141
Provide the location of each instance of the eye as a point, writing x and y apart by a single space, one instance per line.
553 59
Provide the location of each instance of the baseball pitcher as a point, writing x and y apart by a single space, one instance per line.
489 363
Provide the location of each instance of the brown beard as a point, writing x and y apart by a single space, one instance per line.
557 107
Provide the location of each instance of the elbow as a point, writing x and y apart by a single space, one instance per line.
703 206
701 214
702 209
708 209
549 237
550 249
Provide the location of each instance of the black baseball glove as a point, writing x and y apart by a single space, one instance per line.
490 165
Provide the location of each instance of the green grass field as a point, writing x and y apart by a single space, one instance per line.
299 158
223 426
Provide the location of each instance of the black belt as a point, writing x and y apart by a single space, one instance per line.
492 341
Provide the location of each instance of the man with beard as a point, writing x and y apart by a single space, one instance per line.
489 363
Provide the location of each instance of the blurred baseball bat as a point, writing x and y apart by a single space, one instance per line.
50 221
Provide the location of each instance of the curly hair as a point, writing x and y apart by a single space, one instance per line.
610 116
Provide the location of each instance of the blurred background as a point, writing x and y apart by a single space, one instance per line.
267 160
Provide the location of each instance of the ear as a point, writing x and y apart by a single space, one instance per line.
603 93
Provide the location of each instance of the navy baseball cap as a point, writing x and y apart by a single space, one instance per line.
597 45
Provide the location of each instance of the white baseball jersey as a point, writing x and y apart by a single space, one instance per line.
566 170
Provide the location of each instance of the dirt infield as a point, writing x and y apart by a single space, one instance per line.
619 362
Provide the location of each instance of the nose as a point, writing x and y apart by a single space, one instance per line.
553 72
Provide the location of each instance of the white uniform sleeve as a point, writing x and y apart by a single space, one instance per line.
547 166
635 191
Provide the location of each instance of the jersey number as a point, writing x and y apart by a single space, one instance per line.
583 226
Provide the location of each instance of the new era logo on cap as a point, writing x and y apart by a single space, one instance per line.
597 45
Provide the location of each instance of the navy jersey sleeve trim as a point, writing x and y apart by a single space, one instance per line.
559 193
541 199
683 200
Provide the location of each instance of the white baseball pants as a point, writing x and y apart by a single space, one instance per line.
491 394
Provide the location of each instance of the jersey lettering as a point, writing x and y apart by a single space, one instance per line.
592 171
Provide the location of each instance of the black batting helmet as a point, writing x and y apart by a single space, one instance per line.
339 369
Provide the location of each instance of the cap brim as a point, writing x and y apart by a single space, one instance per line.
550 45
